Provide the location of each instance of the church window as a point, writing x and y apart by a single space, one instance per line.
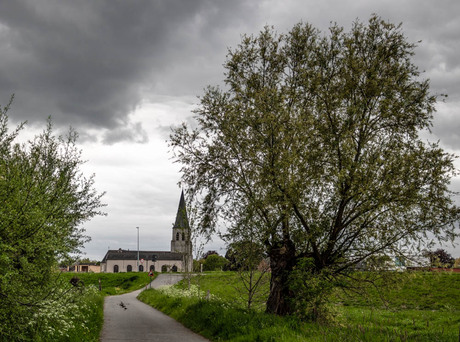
177 236
115 269
129 268
183 236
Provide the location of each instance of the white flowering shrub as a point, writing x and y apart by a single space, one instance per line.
67 312
192 292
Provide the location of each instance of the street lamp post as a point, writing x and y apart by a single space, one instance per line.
137 249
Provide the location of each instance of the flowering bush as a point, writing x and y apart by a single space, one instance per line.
66 310
192 292
65 313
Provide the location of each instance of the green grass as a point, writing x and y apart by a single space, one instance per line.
400 325
224 285
415 290
422 307
217 320
112 283
228 287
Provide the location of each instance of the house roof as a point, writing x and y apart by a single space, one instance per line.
122 254
181 217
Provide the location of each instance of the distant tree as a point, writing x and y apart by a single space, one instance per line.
244 254
214 262
44 199
315 141
208 253
457 263
231 255
439 258
88 261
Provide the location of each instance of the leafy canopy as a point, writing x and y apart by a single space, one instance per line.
315 141
44 199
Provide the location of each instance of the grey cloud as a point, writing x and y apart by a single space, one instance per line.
437 28
165 131
86 63
446 125
131 132
90 63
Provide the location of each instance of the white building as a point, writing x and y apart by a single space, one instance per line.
178 259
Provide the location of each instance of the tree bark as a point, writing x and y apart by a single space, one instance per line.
282 261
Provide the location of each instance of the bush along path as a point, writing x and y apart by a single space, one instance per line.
128 319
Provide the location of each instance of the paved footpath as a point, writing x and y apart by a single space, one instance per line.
128 319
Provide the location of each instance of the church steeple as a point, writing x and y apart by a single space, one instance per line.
180 241
181 217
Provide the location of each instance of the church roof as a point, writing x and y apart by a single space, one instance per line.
181 217
122 254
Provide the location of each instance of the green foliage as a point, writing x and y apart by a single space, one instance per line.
68 314
83 320
208 253
311 291
457 263
244 254
87 260
214 262
314 144
439 258
44 199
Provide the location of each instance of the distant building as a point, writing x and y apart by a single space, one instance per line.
83 267
178 259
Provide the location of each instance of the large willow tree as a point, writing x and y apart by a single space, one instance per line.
315 143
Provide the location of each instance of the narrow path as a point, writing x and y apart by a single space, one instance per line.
128 319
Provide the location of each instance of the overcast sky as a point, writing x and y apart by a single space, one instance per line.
123 72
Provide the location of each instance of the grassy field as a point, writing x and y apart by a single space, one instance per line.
112 283
421 307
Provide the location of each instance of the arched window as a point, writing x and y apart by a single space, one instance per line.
129 268
115 269
152 268
183 236
141 268
174 268
164 268
177 236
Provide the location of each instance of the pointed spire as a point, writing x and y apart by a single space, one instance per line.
181 217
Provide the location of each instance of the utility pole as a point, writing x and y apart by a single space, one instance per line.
137 249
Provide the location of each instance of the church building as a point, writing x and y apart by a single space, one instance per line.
178 259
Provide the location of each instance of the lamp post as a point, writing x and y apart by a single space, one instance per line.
137 249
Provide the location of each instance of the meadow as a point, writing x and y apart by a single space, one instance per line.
420 306
112 283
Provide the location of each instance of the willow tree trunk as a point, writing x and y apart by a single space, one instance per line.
282 262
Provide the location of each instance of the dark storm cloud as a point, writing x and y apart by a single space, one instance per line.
88 63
